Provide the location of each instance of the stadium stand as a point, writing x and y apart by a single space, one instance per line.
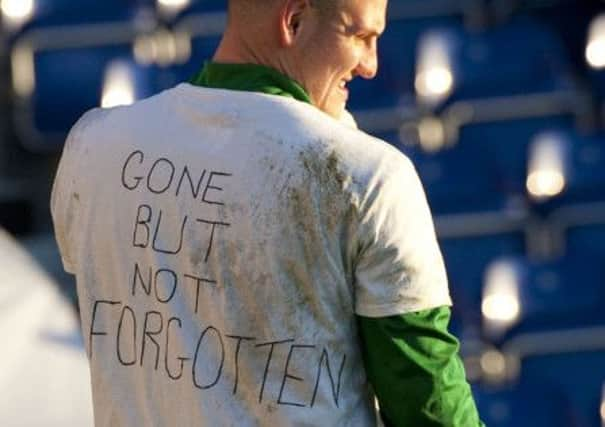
579 229
539 296
469 245
80 92
60 13
522 56
65 62
567 362
546 319
517 406
565 168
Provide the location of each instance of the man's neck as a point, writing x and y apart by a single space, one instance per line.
237 48
249 77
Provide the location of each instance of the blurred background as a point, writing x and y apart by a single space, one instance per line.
499 103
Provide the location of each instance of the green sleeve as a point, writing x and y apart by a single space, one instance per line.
413 365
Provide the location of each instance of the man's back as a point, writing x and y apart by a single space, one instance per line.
223 244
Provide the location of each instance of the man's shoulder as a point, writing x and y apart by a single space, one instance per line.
342 136
361 152
102 122
358 154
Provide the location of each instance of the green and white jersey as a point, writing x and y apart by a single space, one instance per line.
224 244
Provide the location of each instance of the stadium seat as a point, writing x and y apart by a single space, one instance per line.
505 143
519 57
54 13
463 178
524 405
484 171
569 18
508 84
598 82
59 59
578 374
68 82
587 177
552 295
466 259
586 238
480 163
494 91
582 167
73 76
594 55
567 292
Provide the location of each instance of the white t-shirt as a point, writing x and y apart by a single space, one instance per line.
223 243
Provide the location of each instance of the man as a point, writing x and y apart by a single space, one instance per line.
245 258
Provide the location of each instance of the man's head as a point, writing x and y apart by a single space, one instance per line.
322 44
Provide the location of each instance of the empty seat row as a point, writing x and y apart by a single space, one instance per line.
540 162
502 286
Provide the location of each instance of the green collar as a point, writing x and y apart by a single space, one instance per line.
249 77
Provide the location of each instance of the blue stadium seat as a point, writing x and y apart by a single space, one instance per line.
587 175
569 18
504 145
61 55
68 82
452 184
579 375
598 82
586 239
560 294
582 165
519 57
486 168
524 405
52 13
463 178
466 259
510 83
484 171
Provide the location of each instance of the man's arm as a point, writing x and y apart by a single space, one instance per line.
402 301
413 365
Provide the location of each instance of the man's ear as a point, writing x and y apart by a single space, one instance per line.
291 19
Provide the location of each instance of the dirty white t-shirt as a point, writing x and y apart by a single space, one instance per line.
223 243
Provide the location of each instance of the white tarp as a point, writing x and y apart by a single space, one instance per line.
44 377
